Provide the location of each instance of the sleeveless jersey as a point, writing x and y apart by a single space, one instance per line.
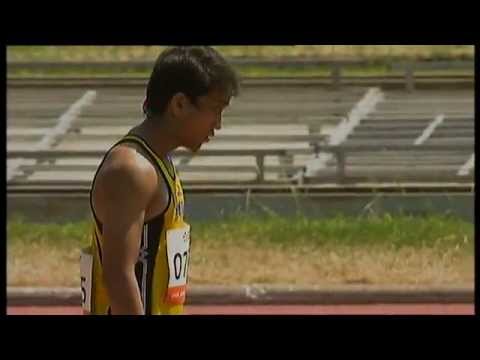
161 270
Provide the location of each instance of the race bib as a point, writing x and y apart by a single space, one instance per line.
178 254
86 269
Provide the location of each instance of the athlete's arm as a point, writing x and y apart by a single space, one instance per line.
124 189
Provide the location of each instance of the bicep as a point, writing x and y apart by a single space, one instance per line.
124 201
121 239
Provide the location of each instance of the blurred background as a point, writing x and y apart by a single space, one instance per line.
337 164
300 60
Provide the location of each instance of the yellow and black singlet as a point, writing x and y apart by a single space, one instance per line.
162 266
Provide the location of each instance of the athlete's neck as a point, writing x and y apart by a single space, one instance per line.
158 135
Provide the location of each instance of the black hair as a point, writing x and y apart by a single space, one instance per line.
192 70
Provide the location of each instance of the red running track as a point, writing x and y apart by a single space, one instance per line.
368 309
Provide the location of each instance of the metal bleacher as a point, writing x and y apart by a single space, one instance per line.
270 135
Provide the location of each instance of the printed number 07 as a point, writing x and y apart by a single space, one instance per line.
177 263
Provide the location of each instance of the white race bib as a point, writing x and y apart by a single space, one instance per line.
178 254
86 269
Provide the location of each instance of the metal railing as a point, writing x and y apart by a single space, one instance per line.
336 78
340 152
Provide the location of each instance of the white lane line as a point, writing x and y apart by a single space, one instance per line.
365 106
465 169
64 123
429 129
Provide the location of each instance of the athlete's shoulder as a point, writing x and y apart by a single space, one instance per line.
129 157
125 168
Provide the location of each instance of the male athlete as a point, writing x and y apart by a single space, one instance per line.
137 262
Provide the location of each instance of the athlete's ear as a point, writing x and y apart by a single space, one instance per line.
179 104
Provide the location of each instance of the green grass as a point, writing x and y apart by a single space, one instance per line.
243 71
394 232
270 249
140 53
70 235
378 56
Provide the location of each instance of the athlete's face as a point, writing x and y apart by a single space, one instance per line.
203 118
